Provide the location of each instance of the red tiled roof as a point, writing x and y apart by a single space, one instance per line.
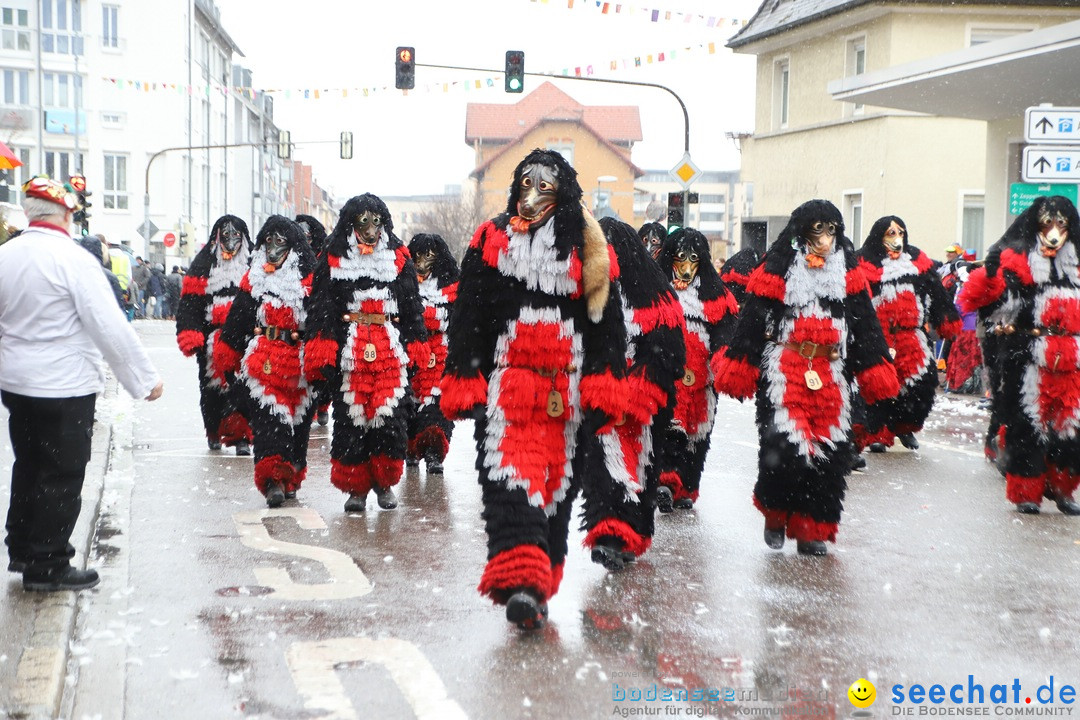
618 124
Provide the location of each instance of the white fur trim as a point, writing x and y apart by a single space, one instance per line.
225 275
805 285
532 259
496 417
1065 262
380 265
893 270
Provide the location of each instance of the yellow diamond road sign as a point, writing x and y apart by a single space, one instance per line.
685 171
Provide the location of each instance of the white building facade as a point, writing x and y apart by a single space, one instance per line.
150 84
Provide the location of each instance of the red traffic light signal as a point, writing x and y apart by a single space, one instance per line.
405 68
514 72
77 182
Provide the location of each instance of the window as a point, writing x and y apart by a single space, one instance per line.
59 89
973 209
564 148
15 24
114 194
781 87
112 119
711 217
979 34
61 27
853 207
60 164
856 65
16 87
11 180
711 199
109 36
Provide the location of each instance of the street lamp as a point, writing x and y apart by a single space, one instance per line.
602 179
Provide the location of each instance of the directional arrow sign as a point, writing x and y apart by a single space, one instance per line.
1021 195
1045 124
1051 164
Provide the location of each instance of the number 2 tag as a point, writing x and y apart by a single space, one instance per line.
555 404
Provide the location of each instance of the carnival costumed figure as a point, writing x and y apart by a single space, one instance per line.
536 353
262 345
211 282
1028 290
620 473
437 274
709 309
366 332
909 300
736 270
652 237
806 331
315 234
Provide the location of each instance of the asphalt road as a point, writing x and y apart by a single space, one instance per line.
212 606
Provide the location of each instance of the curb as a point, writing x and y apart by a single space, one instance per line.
40 678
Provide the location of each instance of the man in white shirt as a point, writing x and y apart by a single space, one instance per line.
58 320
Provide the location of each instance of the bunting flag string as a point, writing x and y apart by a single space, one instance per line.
654 15
585 70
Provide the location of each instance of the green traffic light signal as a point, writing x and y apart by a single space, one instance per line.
514 71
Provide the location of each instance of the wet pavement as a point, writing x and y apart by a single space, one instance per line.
211 606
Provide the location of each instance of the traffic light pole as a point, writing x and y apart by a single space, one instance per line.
686 115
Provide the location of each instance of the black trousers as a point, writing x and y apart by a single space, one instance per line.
51 438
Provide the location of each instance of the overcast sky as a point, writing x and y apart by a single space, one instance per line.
415 144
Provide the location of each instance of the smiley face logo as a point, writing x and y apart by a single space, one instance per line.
861 693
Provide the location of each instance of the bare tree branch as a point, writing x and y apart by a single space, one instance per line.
454 217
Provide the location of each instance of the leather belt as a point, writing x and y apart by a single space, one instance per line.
1010 329
365 318
548 373
809 349
286 335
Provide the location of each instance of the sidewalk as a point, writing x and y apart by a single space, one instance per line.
35 628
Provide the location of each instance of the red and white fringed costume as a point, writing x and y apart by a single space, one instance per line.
206 295
620 471
366 332
1029 297
709 310
257 344
536 352
437 273
909 299
736 271
804 326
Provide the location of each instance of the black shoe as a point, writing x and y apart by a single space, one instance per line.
274 495
434 466
609 555
412 462
525 611
16 566
323 418
213 444
356 503
774 538
290 494
387 499
908 440
877 447
67 578
664 502
1067 506
858 464
812 547
1027 508
243 448
683 504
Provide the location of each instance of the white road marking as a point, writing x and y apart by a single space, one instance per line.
312 667
347 580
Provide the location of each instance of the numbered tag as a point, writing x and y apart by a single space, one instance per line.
813 380
689 378
431 361
555 406
266 367
892 353
369 353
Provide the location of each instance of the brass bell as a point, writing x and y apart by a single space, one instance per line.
294 335
345 317
768 336
258 331
1010 329
834 354
1036 332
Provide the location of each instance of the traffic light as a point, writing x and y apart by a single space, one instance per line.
515 71
81 216
284 148
676 211
405 68
346 145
